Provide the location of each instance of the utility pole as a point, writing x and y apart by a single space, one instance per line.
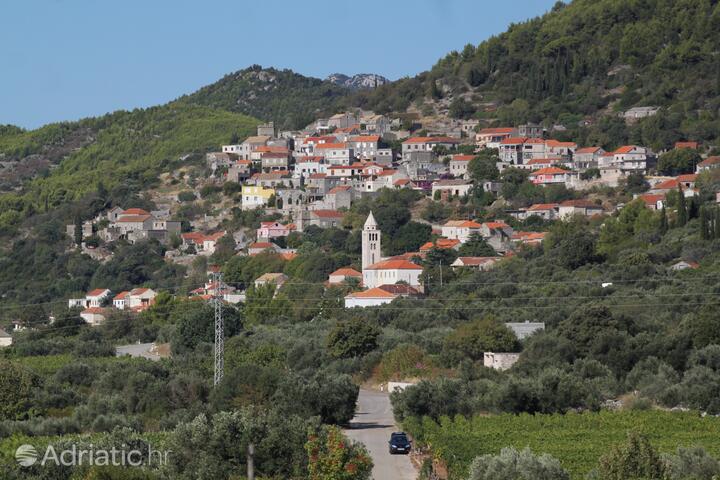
441 274
216 279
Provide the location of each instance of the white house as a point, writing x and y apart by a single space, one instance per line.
426 144
342 275
93 315
94 298
460 229
335 153
369 298
451 188
459 165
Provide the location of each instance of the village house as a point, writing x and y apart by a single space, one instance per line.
323 218
239 171
270 230
308 165
336 153
215 160
684 265
375 124
684 182
546 211
689 145
426 144
588 157
531 130
653 201
492 137
341 196
365 146
633 159
500 361
277 279
460 229
278 178
452 188
709 163
523 330
369 298
251 144
511 150
482 264
255 196
527 238
94 298
343 120
586 208
256 248
201 242
266 129
441 244
136 224
459 165
553 176
94 315
271 161
343 275
137 299
636 113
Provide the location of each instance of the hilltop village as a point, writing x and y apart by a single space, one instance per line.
310 179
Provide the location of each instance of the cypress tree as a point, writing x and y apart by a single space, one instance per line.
682 216
663 221
704 224
716 224
78 231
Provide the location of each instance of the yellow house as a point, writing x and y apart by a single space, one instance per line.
255 196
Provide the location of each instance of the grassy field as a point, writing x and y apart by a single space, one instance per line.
577 440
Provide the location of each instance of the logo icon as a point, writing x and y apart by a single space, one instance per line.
26 455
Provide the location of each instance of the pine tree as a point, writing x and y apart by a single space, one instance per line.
682 216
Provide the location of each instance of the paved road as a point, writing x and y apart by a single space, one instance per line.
372 426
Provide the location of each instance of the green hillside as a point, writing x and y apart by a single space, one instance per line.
582 61
289 99
122 148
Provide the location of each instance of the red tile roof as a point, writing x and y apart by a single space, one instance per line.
543 206
394 265
366 138
462 158
475 261
133 218
135 211
625 149
710 161
652 199
441 243
588 150
373 293
550 171
431 140
514 141
337 146
346 272
263 245
327 213
692 145
121 295
496 131
97 292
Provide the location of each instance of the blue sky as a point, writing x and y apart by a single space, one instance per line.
69 59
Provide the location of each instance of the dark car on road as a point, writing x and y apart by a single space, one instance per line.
399 443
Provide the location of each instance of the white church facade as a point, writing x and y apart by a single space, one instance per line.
377 271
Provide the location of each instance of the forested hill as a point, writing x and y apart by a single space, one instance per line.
288 98
582 60
123 151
